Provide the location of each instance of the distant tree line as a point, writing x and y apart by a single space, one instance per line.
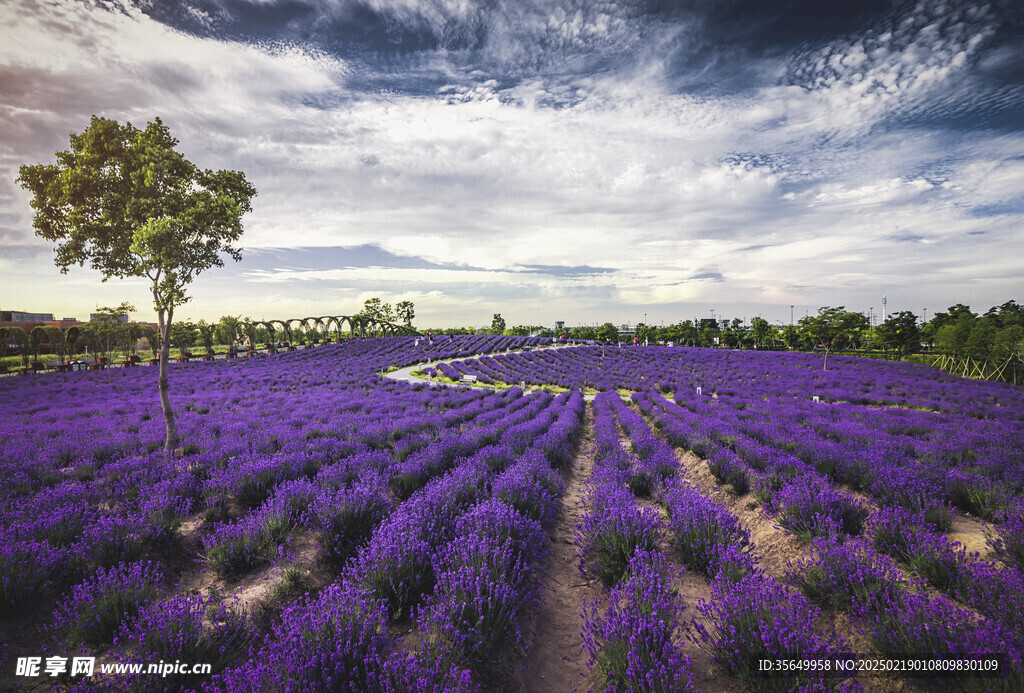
997 334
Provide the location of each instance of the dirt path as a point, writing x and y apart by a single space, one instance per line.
556 661
406 373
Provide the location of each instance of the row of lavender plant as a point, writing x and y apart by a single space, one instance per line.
633 641
772 374
850 575
279 436
900 617
236 547
910 530
134 504
459 557
974 455
340 631
749 616
870 450
802 500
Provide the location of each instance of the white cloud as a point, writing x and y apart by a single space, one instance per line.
626 174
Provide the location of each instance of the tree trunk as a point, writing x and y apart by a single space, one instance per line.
171 435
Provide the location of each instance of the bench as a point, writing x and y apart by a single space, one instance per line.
468 379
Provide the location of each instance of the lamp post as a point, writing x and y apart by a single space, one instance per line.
791 315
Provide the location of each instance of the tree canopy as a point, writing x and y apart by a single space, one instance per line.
406 312
900 332
124 201
832 327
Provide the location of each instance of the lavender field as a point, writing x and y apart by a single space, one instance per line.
325 528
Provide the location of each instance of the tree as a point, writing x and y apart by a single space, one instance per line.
1009 314
733 333
377 312
762 331
206 336
184 335
951 336
608 333
250 330
584 332
17 335
35 341
497 324
791 336
130 335
405 311
57 341
642 332
123 200
1009 343
228 331
108 326
900 332
833 326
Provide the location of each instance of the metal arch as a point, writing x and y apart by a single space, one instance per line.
268 325
292 331
286 331
35 339
342 319
357 326
327 320
311 325
73 335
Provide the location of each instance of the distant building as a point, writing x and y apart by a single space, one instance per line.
93 317
22 316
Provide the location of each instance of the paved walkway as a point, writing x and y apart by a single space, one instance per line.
406 373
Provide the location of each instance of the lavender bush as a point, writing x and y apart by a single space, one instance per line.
841 575
95 609
756 618
189 628
334 642
701 528
634 642
611 530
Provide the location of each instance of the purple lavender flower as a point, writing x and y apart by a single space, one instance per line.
485 588
189 628
701 528
1009 541
810 507
346 519
840 575
756 618
334 642
611 530
634 642
95 609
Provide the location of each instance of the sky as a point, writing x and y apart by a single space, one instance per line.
548 160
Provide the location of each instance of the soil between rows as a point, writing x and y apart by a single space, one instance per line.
555 659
